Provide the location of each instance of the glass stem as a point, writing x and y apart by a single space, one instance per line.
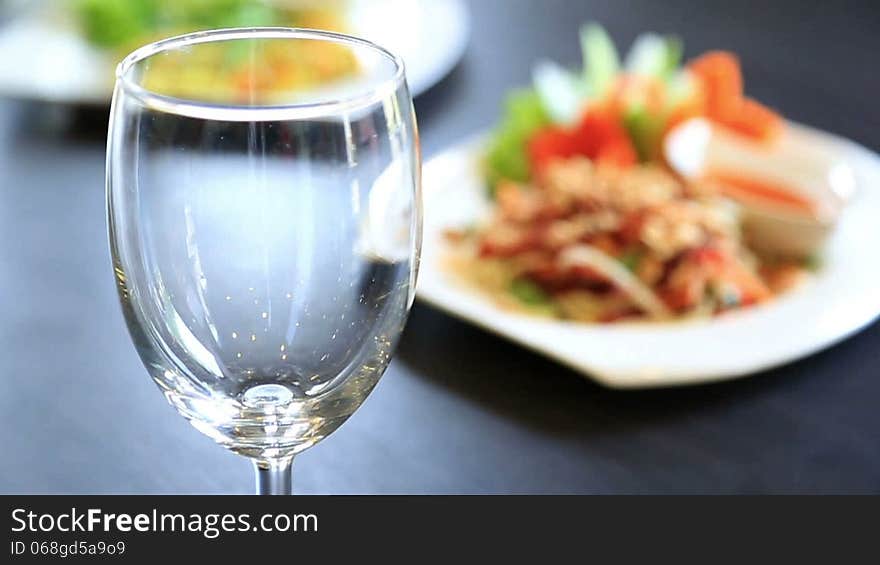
274 476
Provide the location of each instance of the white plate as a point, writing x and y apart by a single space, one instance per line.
843 297
48 61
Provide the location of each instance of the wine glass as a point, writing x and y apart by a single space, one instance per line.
264 215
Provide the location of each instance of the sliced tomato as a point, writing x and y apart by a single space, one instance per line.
550 144
600 135
619 152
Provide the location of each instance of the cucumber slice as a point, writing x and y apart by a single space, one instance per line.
601 61
561 93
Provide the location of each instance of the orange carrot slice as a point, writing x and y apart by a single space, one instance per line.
720 74
755 120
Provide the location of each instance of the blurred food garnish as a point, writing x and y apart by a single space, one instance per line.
628 105
590 224
224 73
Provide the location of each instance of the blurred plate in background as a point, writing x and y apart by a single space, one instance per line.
45 60
841 298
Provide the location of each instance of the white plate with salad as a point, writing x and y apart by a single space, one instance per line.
71 48
645 223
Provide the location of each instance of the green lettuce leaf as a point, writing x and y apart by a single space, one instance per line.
507 157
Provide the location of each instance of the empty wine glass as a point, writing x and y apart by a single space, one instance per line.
265 227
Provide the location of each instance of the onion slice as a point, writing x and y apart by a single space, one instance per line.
618 275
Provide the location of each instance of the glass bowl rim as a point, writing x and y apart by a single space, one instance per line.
367 96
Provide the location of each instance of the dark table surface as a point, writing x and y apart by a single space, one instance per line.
459 411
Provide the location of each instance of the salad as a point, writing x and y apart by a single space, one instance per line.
588 222
120 26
